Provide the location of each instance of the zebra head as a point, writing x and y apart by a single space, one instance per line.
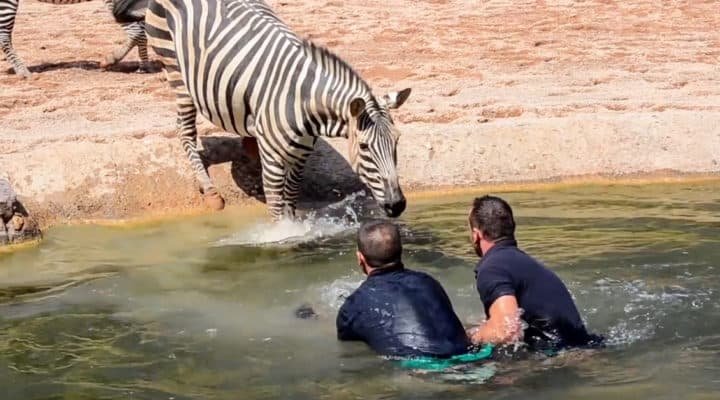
373 140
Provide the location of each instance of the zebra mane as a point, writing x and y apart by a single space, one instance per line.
323 56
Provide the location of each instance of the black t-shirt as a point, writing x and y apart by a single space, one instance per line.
400 312
548 309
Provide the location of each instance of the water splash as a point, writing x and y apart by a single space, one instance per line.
645 306
330 221
334 294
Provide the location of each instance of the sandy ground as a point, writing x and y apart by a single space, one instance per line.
503 91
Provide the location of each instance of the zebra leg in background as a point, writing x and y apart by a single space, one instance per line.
135 37
8 9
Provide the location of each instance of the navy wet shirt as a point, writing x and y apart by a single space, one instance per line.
548 309
400 312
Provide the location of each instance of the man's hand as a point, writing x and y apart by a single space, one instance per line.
471 330
503 325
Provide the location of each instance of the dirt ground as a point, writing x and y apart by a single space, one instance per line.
503 91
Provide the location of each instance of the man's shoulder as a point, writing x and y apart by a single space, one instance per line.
355 296
506 260
509 255
421 276
492 262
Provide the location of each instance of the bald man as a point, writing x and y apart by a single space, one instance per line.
397 311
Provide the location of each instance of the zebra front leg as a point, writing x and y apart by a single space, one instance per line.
188 139
273 178
281 182
293 181
6 27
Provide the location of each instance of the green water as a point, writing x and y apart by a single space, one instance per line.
182 310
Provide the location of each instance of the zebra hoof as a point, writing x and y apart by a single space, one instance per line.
107 63
23 73
214 201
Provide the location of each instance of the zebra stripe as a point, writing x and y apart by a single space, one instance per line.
135 37
243 69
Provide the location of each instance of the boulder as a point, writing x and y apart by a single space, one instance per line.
16 225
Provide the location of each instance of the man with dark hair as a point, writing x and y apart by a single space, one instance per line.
397 311
515 288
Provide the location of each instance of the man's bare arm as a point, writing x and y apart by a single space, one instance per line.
503 325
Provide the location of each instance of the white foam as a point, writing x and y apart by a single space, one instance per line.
334 294
625 333
333 220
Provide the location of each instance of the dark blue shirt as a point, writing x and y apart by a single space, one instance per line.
400 312
548 309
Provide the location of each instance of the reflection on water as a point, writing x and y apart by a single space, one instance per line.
203 308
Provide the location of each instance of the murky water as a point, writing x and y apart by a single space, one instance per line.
195 310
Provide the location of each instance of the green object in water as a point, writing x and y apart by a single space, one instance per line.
439 364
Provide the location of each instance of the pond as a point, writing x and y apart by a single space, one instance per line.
199 309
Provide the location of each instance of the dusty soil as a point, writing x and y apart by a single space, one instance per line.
503 91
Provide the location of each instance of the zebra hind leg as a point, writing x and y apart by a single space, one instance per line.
188 138
8 9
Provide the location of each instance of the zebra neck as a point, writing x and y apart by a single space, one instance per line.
334 85
331 115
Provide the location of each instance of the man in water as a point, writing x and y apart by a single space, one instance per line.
397 311
515 288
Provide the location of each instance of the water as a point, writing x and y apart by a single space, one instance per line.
203 308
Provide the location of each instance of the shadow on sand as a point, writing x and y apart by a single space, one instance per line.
128 67
328 176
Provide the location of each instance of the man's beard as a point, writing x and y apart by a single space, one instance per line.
478 249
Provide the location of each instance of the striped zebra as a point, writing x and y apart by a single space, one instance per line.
135 37
238 64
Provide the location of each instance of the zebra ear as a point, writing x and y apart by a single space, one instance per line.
357 106
396 99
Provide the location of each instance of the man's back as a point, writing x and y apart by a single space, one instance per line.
548 307
400 312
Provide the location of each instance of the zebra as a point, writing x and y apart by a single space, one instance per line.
135 32
242 68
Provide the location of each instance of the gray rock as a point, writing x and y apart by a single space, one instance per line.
8 198
4 238
16 225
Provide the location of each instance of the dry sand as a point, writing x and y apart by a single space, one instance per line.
503 91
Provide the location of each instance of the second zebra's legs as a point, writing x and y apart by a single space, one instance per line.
135 37
6 28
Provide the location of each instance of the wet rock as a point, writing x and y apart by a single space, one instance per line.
16 225
305 311
7 199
